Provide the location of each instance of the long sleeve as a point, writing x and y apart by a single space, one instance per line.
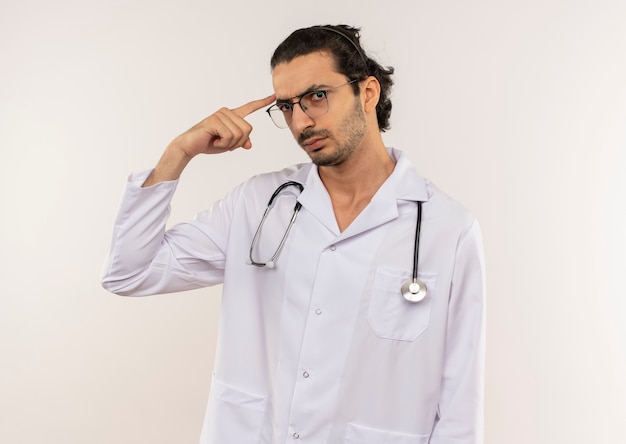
146 259
460 412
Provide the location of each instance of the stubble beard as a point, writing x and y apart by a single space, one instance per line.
353 128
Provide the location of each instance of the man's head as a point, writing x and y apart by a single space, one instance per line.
343 44
316 102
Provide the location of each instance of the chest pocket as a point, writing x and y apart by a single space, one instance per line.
393 317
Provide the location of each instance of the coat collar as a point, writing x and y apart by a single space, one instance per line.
404 184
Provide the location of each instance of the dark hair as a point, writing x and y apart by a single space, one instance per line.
343 43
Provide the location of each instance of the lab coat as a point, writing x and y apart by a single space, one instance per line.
323 348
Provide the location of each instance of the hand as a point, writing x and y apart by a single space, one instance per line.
225 130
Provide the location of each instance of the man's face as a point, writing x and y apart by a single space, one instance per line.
332 138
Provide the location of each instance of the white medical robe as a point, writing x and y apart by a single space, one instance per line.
323 348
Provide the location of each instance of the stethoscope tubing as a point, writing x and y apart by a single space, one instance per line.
413 290
416 246
296 209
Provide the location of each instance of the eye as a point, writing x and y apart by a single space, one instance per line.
284 107
317 95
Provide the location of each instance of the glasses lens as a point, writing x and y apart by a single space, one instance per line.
315 104
278 117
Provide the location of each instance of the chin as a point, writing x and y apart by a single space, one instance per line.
322 160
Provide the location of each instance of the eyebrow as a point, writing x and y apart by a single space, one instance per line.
310 89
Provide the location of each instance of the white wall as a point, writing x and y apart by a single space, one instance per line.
516 108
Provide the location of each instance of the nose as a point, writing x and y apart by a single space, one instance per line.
300 120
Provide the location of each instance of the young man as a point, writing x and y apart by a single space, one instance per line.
326 335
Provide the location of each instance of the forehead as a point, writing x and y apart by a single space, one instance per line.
303 72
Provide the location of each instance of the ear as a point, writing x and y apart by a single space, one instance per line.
371 94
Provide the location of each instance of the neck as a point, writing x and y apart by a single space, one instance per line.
362 174
352 184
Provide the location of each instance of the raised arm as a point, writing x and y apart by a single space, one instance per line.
225 130
145 259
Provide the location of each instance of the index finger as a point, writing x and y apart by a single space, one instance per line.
253 106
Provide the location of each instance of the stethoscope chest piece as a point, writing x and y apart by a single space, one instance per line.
414 290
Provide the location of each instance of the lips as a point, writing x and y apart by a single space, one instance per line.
312 139
313 143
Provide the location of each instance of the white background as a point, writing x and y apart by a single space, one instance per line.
515 108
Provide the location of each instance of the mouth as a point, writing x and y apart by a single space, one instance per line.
312 140
313 144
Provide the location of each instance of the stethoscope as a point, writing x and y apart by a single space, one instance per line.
413 290
271 263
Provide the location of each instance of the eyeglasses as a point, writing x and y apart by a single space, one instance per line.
313 103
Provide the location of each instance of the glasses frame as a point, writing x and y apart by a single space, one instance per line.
297 100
